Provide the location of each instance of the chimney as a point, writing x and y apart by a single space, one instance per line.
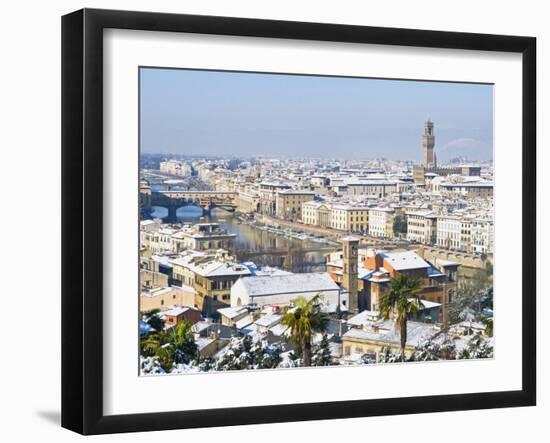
350 275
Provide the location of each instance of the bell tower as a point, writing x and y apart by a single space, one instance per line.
428 144
349 276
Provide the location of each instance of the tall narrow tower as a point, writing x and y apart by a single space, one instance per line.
428 144
350 275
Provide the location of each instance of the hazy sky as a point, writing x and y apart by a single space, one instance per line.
222 113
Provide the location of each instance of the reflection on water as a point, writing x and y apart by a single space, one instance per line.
251 241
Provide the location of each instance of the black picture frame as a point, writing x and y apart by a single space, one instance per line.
82 189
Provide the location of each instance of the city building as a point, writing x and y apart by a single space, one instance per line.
177 314
350 246
429 167
248 202
268 196
482 235
280 290
371 337
376 269
289 203
449 232
381 222
201 236
176 167
211 275
421 226
164 297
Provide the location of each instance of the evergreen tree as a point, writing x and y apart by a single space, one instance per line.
242 353
477 347
429 350
264 355
150 366
321 353
472 297
153 319
386 355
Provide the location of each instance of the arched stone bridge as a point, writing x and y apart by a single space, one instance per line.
172 200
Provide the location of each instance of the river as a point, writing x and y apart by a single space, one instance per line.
252 241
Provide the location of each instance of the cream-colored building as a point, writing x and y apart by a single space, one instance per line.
248 202
211 275
315 213
161 298
471 190
371 337
449 233
421 226
268 196
350 218
344 217
466 233
176 167
373 187
157 240
482 235
381 222
289 203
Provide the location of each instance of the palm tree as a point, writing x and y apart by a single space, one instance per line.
182 341
175 346
303 320
401 300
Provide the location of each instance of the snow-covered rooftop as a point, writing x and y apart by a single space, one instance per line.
232 312
287 284
364 317
401 261
175 311
269 320
417 332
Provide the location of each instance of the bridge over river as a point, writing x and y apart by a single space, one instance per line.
172 200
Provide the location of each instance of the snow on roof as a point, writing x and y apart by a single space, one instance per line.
401 261
175 311
243 322
156 292
285 284
279 329
433 272
270 270
269 320
232 312
417 332
185 288
331 308
429 304
200 326
364 317
350 238
210 266
297 192
203 342
249 329
446 263
164 260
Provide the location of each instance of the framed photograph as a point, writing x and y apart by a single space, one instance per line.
269 221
